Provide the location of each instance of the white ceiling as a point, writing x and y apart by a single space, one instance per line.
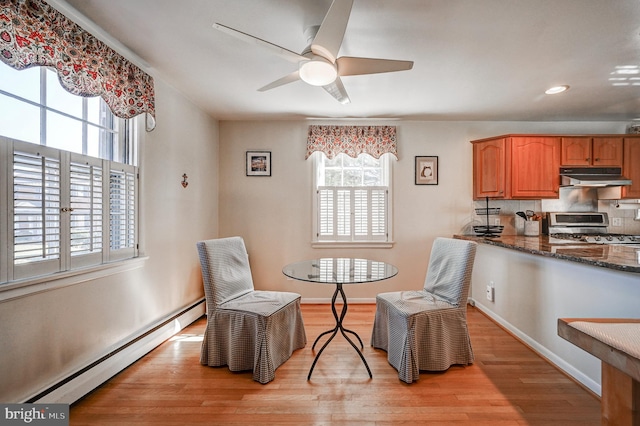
473 59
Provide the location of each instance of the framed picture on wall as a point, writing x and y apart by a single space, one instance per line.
258 163
426 170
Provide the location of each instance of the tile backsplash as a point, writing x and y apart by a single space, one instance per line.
627 212
624 216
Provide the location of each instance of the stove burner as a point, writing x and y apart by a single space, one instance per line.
599 238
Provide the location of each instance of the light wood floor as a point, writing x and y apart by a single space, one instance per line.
507 385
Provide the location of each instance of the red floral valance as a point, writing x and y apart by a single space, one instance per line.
32 33
352 140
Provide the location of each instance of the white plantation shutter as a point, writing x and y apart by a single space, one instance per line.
379 205
352 213
122 208
65 210
86 202
360 213
36 211
342 213
325 212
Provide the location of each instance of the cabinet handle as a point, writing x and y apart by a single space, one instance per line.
587 159
597 159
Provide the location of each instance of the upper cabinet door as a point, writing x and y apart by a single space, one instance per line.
489 168
587 151
607 152
535 167
576 151
631 167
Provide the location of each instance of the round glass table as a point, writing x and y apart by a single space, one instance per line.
339 272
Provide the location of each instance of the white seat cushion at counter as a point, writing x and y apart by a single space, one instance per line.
622 336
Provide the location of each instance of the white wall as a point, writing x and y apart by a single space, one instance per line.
50 335
273 214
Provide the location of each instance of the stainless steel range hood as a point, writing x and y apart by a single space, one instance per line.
595 177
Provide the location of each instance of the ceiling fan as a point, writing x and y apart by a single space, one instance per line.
318 64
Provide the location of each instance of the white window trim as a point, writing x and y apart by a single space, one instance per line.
316 243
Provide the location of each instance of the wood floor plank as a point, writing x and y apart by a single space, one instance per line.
507 385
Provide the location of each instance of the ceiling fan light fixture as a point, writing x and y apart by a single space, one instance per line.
318 72
556 89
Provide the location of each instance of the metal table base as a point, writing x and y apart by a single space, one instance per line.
342 330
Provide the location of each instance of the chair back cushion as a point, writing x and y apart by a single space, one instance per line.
450 266
225 269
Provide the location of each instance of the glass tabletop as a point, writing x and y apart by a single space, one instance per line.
341 270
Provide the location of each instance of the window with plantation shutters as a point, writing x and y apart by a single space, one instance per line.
66 210
68 182
352 213
352 199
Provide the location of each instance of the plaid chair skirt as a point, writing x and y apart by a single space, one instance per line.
258 331
420 332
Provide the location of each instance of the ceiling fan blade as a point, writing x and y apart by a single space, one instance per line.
336 89
290 78
273 48
358 66
331 32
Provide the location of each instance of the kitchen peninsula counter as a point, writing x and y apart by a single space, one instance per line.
536 280
618 257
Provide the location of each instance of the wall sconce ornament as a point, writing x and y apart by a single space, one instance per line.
184 180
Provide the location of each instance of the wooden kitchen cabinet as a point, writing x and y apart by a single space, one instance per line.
528 166
631 167
591 151
516 167
535 167
489 163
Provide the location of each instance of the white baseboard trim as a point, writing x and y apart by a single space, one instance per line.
327 301
542 351
89 378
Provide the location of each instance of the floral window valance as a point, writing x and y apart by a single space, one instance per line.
32 33
352 140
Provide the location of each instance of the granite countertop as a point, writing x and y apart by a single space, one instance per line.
608 256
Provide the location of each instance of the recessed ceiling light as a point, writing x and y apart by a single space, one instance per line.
556 89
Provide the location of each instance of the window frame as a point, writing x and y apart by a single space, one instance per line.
126 145
119 130
317 242
65 262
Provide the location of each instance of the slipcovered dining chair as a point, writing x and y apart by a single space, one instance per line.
246 329
427 329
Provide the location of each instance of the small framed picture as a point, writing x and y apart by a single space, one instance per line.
426 170
258 163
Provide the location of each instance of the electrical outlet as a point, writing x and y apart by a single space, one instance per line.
490 292
616 221
496 221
